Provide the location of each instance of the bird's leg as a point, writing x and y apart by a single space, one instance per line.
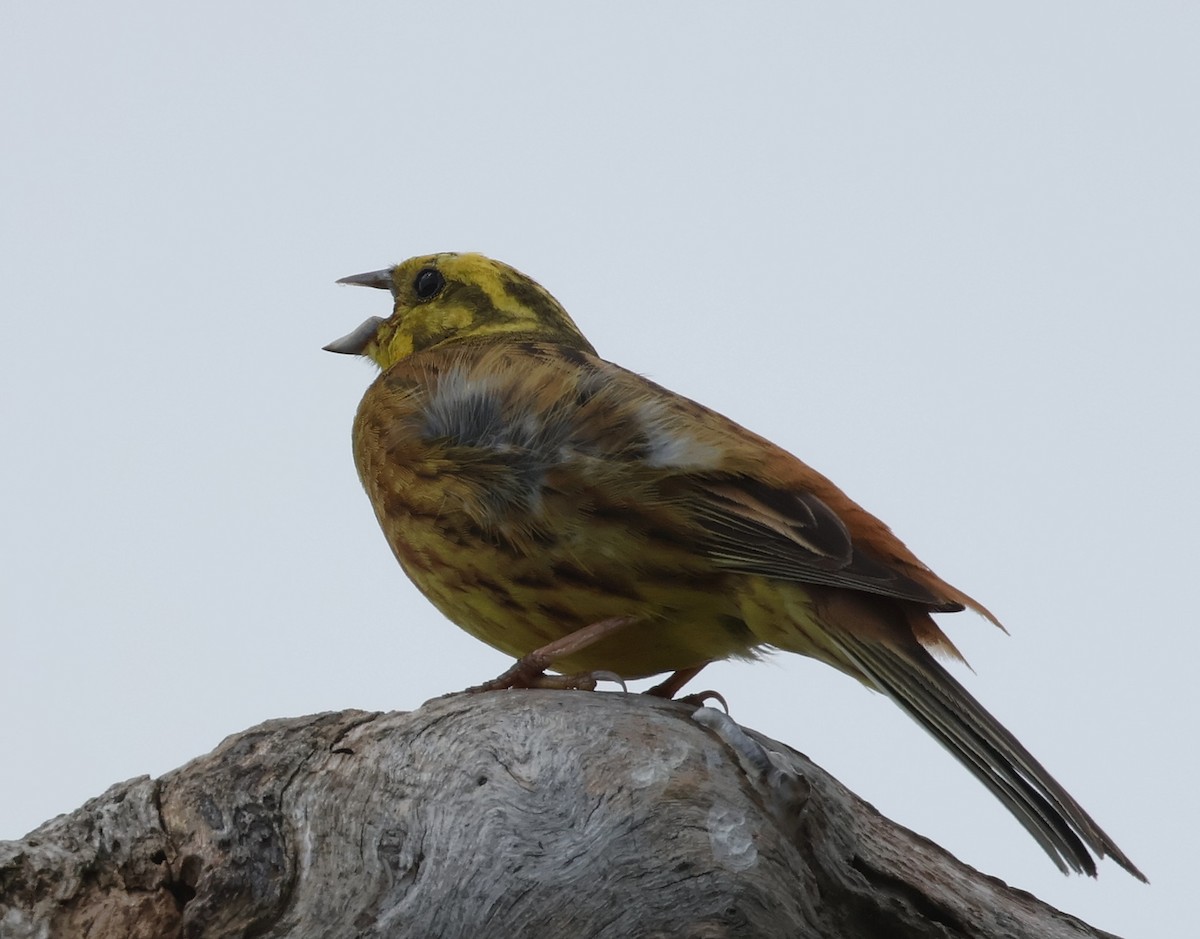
672 684
529 671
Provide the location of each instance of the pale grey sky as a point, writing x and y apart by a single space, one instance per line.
945 253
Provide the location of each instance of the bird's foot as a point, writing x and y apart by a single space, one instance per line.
529 671
522 676
671 685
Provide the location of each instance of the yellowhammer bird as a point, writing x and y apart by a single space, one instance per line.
569 512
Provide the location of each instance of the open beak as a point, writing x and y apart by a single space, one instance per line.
355 342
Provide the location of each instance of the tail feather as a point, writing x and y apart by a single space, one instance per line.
932 697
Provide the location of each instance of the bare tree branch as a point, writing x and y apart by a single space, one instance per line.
511 814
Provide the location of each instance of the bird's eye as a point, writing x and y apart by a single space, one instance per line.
428 282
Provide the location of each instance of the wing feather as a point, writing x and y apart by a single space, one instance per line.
755 528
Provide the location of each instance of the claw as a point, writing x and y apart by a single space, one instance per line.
701 697
613 677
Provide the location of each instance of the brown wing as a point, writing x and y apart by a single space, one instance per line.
787 534
766 512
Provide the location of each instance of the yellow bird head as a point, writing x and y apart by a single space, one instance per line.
449 298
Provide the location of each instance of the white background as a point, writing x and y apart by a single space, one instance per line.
945 253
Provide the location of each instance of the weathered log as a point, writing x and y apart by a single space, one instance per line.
510 814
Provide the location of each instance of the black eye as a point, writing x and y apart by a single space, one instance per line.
428 282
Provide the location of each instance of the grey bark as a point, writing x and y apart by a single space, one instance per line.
510 814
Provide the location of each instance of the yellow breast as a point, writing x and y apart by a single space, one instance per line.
524 503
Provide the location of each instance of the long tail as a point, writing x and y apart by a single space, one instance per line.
932 697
